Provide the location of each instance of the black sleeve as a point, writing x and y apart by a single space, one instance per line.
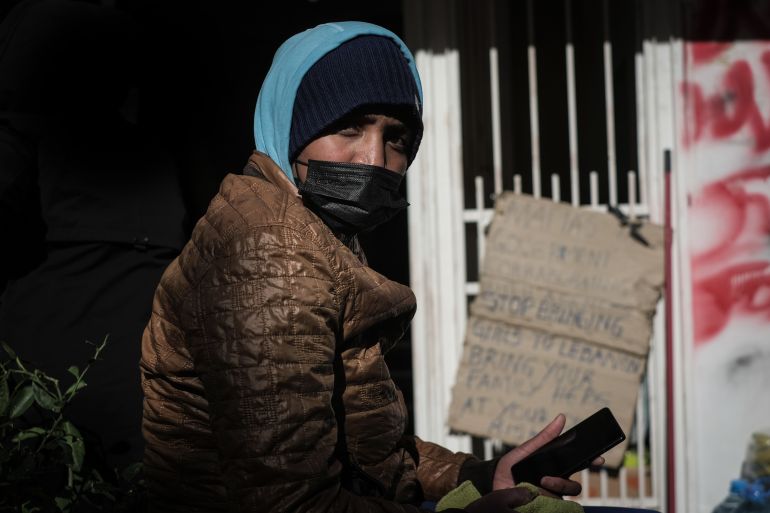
480 473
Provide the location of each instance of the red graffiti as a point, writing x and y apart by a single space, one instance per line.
704 52
730 109
743 288
736 225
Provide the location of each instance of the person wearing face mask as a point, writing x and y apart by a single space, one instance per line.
262 365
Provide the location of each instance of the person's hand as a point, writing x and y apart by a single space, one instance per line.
555 485
501 501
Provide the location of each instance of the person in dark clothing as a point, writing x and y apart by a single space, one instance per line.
91 209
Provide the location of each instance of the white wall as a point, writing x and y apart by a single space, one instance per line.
724 149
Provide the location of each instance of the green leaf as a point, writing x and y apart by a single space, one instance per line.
74 371
75 388
63 503
21 367
8 350
131 471
29 509
33 432
75 441
45 399
21 401
4 397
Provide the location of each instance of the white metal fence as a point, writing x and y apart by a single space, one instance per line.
648 438
438 219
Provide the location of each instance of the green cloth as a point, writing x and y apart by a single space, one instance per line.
459 497
545 504
466 493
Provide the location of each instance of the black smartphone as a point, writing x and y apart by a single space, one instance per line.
571 451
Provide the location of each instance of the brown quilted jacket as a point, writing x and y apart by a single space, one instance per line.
265 333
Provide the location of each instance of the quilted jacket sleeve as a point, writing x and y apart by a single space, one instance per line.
439 468
268 315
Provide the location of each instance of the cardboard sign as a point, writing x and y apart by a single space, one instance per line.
562 322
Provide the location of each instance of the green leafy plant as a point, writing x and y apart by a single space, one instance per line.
43 464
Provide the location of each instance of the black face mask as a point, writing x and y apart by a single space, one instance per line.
351 198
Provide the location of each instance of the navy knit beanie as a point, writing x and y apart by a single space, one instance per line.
367 70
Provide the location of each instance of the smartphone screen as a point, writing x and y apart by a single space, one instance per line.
571 451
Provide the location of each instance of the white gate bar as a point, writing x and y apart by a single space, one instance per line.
533 111
436 228
480 224
623 477
641 466
594 191
517 184
492 447
687 488
641 425
603 485
609 101
497 152
555 188
653 175
656 402
641 428
641 128
571 109
656 132
454 236
585 478
661 134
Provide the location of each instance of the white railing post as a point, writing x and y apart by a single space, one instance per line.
534 116
436 230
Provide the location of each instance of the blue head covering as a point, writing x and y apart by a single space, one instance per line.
275 104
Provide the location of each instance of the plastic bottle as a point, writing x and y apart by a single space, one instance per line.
747 497
751 493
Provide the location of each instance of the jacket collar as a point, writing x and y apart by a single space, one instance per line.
262 166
